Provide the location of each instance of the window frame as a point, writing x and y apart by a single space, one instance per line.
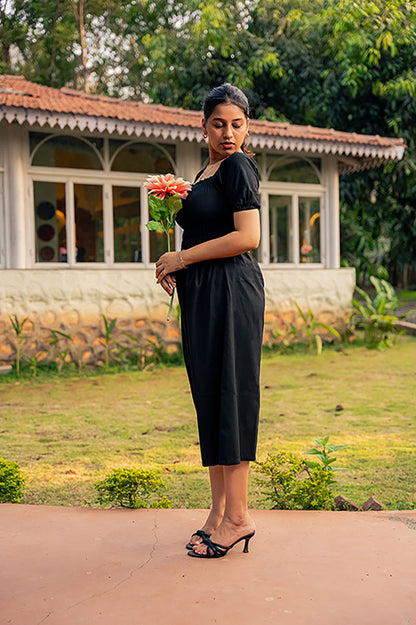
106 178
293 191
2 219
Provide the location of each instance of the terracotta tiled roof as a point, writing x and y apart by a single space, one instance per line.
23 100
15 91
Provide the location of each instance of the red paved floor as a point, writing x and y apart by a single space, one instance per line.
69 566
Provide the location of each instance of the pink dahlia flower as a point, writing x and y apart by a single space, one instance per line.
305 249
161 186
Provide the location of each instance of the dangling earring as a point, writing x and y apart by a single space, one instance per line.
247 135
205 134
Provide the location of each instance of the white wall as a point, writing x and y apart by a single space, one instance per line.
73 301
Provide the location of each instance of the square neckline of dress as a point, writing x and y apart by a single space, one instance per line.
200 173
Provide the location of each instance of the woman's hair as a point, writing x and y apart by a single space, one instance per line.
227 94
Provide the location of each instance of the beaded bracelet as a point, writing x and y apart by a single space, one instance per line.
182 262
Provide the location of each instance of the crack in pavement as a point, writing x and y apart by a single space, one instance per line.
120 582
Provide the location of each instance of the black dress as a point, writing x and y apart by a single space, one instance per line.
222 313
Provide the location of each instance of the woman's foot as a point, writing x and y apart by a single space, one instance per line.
213 521
227 533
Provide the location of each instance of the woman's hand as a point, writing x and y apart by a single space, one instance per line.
167 264
168 283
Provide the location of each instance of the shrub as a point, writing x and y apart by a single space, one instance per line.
377 316
132 488
11 482
293 483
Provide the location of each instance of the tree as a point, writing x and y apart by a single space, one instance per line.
12 35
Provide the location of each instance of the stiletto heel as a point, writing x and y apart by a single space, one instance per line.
215 550
245 550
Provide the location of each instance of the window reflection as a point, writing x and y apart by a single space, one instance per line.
66 151
158 244
126 219
309 230
89 226
50 222
293 169
145 157
280 224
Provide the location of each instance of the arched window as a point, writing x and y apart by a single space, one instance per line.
293 169
145 158
69 152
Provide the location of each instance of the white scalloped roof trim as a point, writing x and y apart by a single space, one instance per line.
369 155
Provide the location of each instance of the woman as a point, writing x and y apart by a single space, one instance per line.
220 290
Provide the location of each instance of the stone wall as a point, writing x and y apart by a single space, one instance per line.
74 301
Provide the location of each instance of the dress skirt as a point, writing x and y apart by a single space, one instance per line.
222 314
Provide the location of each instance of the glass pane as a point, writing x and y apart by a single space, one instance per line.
159 244
114 144
66 151
35 138
309 230
280 225
89 227
126 219
50 222
293 169
146 158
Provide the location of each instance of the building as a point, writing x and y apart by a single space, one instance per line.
73 240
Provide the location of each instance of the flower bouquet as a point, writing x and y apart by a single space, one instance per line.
165 201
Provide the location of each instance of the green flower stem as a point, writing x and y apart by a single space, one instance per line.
173 292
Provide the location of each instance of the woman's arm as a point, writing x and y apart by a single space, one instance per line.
244 238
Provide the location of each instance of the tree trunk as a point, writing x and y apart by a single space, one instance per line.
79 16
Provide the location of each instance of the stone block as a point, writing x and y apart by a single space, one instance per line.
345 504
373 504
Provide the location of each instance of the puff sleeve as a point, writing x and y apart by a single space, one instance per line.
239 180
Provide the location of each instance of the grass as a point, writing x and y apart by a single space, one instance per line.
68 432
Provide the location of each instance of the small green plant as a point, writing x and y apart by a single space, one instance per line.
132 488
138 356
11 482
310 327
55 341
377 316
284 340
109 326
293 483
323 451
157 354
33 363
18 330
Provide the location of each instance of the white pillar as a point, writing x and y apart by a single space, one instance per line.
332 228
15 174
188 157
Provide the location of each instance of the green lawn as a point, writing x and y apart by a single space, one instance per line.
66 433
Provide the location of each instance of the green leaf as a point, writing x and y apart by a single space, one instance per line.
157 208
332 447
155 225
174 203
329 329
300 312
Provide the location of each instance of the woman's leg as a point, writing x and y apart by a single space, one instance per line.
216 476
236 521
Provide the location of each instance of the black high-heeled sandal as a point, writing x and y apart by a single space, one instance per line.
215 550
199 533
